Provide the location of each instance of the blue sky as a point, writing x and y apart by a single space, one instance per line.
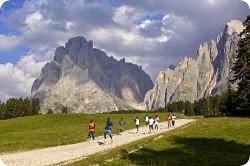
150 33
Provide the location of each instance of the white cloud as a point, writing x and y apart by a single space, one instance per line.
34 20
144 24
17 80
2 2
165 18
30 66
14 82
124 15
248 2
9 42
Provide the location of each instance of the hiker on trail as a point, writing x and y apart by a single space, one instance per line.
173 119
108 127
151 123
156 122
137 123
122 125
91 129
146 120
169 120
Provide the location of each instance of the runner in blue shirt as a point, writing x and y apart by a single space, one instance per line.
108 127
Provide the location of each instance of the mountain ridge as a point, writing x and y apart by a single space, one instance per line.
194 78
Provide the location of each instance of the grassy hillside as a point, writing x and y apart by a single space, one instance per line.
209 141
56 129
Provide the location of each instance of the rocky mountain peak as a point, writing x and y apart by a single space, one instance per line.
234 26
85 79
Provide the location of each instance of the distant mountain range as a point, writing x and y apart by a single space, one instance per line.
85 79
193 79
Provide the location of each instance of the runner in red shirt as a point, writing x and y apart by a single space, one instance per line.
169 121
91 129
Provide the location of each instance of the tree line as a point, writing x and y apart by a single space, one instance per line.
13 108
218 105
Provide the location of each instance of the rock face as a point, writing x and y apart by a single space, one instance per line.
85 79
193 79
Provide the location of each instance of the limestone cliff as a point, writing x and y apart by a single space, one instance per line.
193 79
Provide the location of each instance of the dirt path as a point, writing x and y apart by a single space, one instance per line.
55 155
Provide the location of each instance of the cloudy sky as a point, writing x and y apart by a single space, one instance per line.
150 33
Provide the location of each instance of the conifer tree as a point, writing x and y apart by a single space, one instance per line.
242 71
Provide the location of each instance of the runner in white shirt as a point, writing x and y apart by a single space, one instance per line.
151 123
137 123
173 119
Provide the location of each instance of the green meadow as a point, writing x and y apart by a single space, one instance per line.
209 141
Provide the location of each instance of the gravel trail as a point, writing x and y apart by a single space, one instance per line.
65 153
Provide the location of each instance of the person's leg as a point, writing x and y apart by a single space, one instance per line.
89 135
110 135
105 132
93 137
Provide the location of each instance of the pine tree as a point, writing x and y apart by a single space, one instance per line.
227 104
65 110
35 106
189 110
242 71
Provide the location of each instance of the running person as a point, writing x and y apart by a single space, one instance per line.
151 123
137 123
169 120
91 129
122 125
156 122
108 127
173 119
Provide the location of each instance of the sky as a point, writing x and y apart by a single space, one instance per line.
150 33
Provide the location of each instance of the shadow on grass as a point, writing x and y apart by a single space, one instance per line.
194 151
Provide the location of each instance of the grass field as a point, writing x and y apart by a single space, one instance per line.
209 141
57 129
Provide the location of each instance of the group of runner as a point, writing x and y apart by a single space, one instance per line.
151 123
171 120
107 129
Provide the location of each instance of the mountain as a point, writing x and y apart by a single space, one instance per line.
85 79
194 78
